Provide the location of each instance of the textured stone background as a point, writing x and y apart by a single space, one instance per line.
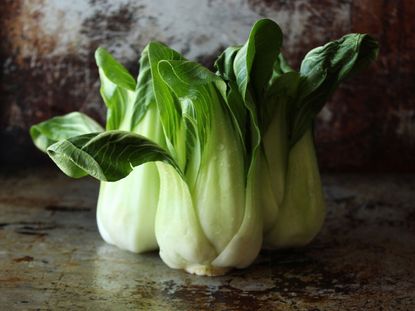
47 65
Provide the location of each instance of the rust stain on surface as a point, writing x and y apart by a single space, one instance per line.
23 259
23 25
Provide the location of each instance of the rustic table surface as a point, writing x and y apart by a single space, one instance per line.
52 257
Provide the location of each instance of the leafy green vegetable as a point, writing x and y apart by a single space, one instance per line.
127 208
322 70
301 208
107 156
117 90
207 167
286 103
213 203
55 129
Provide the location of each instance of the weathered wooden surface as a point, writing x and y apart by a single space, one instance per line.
52 257
47 64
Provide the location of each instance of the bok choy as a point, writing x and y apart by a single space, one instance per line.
207 167
291 194
123 219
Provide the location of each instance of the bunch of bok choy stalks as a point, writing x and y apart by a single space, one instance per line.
208 167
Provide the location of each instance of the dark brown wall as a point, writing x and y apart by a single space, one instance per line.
48 67
375 126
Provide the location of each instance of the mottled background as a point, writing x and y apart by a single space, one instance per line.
47 65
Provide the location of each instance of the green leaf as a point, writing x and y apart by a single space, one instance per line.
193 95
197 92
114 71
58 128
144 93
234 100
168 106
108 156
238 111
322 69
253 67
280 67
253 64
340 57
117 86
224 63
196 88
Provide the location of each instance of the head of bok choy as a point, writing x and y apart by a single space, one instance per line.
287 102
126 206
207 167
